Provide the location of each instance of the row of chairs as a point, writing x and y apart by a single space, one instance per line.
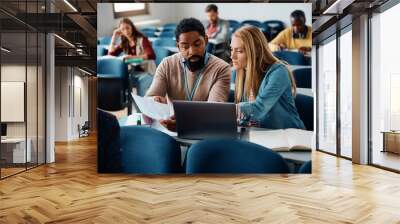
270 28
167 30
143 150
293 58
112 84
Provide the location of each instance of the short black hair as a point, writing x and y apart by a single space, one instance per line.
298 15
189 25
211 7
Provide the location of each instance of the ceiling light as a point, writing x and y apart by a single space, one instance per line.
70 5
338 6
5 49
84 71
64 40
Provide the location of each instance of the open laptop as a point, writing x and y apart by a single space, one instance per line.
205 120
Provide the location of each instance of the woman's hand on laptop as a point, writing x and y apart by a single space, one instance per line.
160 99
170 123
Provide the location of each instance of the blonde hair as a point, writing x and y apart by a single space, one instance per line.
259 57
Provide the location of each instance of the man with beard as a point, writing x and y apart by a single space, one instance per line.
218 33
192 73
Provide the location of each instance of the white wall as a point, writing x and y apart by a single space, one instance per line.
61 103
105 19
106 22
80 83
173 12
33 126
16 73
68 83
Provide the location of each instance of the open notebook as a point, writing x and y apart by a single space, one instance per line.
283 139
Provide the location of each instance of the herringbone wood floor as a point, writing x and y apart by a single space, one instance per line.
71 191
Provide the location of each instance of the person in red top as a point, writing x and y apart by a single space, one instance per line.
133 43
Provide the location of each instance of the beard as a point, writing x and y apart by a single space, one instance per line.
195 63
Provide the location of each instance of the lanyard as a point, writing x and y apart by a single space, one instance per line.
189 96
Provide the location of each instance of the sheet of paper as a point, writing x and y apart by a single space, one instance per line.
152 109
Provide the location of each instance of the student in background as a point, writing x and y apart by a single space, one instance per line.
298 36
134 45
218 33
192 73
264 87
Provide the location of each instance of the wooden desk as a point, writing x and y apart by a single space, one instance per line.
391 141
13 150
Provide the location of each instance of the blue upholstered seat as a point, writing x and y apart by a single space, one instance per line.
233 156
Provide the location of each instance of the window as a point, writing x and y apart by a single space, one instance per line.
346 94
385 85
130 9
22 75
327 96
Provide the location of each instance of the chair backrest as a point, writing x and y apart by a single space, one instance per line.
233 25
167 33
293 58
111 93
302 77
102 50
277 24
112 83
149 151
305 108
112 66
161 53
274 27
104 40
306 168
164 42
86 125
233 156
149 33
148 28
108 148
251 22
169 26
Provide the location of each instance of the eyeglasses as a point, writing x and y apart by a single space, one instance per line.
187 46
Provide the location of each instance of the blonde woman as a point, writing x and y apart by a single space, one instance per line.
264 86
